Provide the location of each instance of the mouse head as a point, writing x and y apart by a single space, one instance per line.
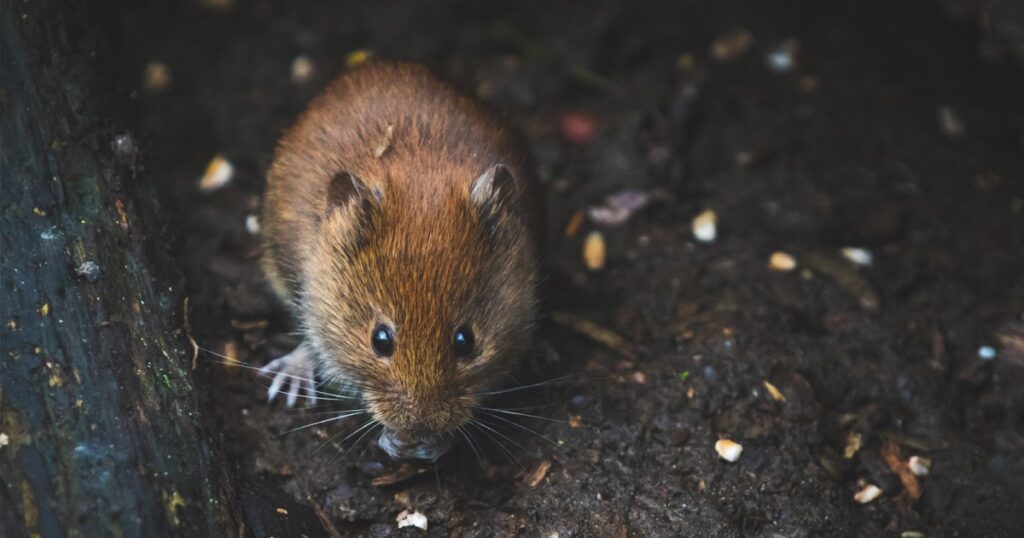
421 300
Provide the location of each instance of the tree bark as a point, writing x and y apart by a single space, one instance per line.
101 432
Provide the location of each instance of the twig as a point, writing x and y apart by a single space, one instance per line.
595 332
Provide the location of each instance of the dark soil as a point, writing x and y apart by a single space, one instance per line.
846 149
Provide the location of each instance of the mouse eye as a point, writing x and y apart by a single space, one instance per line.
462 342
382 340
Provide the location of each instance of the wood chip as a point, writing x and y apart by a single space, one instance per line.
774 392
730 46
891 455
538 474
574 224
403 473
596 333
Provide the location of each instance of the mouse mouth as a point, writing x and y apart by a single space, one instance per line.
403 446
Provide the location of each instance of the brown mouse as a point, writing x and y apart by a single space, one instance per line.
401 225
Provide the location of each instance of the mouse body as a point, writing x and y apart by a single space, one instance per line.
401 225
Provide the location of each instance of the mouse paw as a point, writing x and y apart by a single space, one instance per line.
294 372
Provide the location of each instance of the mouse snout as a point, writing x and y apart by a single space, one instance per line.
420 445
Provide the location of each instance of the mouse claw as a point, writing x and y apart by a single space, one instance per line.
298 370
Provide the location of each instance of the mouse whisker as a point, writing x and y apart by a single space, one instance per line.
496 441
524 428
469 442
552 381
331 419
518 414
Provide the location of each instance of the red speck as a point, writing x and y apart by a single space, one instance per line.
578 127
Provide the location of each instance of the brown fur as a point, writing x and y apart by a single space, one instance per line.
410 249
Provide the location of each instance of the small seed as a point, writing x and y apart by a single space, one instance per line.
218 174
859 256
705 226
728 47
919 466
302 69
728 449
594 251
411 518
869 493
781 261
774 391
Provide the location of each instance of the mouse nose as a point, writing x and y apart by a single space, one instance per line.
420 445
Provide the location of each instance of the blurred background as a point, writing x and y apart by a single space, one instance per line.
795 225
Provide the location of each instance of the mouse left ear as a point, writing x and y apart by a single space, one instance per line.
492 187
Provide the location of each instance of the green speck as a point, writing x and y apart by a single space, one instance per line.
684 375
167 380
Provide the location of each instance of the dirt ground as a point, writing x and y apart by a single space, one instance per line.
888 131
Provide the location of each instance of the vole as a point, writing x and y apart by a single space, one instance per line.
401 225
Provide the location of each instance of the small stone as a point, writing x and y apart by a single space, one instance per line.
218 174
156 77
986 353
860 256
705 226
302 69
950 122
728 449
867 494
594 251
919 466
4 440
89 269
252 224
411 518
783 58
781 261
124 146
730 46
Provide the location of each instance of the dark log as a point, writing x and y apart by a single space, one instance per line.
101 430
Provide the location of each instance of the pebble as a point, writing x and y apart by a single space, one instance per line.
252 224
218 174
919 466
781 261
986 353
705 226
860 256
730 46
869 493
302 69
783 58
89 269
411 518
728 449
578 127
594 251
950 122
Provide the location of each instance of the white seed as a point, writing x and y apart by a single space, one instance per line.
252 224
728 449
912 534
705 226
302 69
594 251
411 518
781 261
859 256
218 173
4 440
919 466
869 493
986 353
